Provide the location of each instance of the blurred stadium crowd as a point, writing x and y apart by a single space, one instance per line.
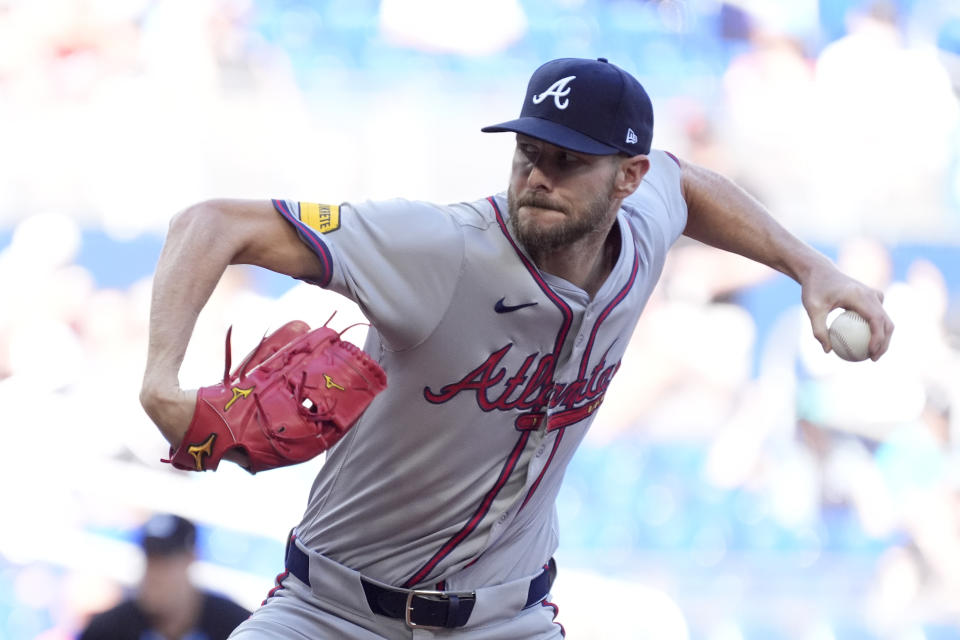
739 484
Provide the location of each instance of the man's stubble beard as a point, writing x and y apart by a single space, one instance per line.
538 241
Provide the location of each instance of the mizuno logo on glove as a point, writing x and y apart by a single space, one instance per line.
237 394
198 450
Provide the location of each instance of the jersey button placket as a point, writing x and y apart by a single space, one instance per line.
587 316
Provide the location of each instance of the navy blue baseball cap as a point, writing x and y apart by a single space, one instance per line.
590 106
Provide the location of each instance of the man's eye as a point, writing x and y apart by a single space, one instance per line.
569 158
530 152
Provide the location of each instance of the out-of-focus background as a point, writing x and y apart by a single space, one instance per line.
739 484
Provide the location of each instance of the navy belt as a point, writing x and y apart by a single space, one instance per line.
418 607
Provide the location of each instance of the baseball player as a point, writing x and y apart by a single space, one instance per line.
499 324
167 603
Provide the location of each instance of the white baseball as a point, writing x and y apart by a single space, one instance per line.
850 336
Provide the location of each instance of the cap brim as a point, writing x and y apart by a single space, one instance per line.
553 133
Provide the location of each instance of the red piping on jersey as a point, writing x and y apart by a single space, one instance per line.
556 612
536 483
310 238
511 462
279 585
452 543
568 319
606 312
570 417
535 273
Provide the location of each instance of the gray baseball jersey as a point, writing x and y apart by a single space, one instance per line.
494 370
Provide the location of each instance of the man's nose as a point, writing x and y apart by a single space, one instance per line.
538 178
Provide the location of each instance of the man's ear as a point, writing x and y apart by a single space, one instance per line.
630 174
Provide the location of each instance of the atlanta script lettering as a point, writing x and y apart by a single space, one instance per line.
531 387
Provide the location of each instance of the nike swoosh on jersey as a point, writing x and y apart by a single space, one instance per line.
500 307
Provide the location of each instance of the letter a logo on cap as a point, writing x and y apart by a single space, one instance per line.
559 90
631 136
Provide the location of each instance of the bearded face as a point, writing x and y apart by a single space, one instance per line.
538 236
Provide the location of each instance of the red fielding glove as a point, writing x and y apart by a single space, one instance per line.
292 398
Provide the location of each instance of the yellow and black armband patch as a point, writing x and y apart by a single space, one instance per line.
322 218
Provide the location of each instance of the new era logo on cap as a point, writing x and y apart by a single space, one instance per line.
593 103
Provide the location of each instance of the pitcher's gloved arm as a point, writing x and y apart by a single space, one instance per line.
201 242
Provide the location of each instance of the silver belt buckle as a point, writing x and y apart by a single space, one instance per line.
409 608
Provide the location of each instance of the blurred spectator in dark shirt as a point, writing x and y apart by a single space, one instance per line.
167 605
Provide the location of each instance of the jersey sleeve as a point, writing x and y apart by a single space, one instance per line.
399 260
657 205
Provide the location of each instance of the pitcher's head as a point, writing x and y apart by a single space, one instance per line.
588 106
583 136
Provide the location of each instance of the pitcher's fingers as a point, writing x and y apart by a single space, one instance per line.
881 330
881 326
818 321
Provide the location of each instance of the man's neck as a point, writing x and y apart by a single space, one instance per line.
585 263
